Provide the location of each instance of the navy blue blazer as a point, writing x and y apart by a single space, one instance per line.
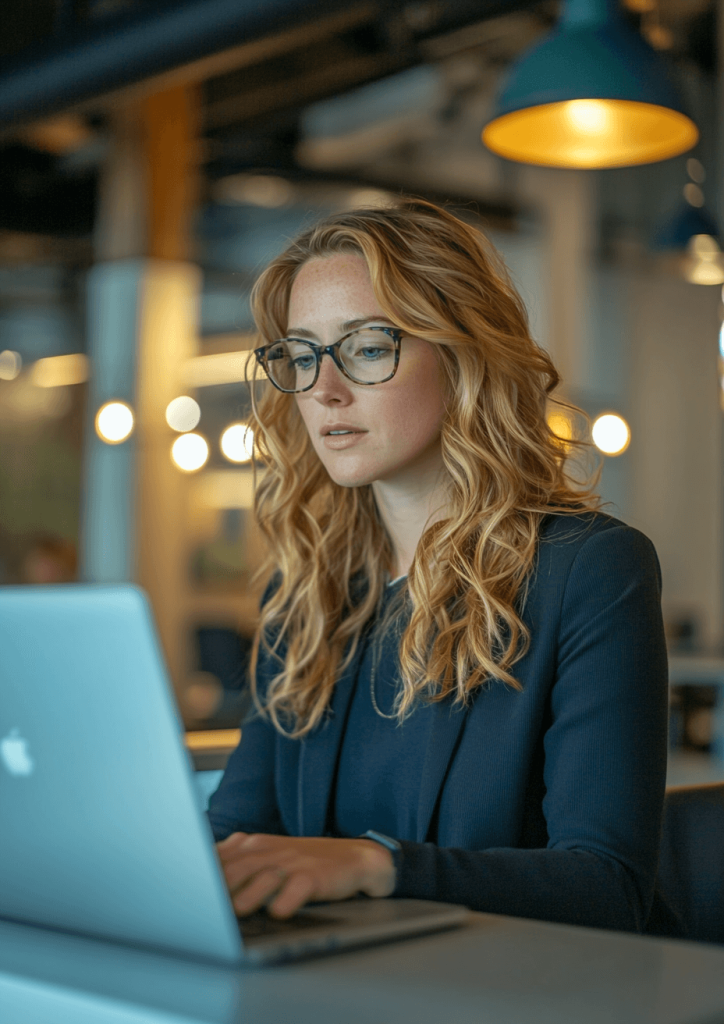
544 802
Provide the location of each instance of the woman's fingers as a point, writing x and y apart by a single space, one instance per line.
250 896
297 869
298 890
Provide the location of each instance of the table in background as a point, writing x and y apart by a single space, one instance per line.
697 670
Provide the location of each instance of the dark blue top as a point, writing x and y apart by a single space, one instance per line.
379 792
544 802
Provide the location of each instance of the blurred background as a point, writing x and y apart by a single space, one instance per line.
154 156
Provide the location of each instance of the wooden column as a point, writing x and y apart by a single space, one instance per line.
148 198
167 337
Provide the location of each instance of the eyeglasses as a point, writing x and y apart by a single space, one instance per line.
369 355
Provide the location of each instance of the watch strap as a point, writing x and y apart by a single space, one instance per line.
390 844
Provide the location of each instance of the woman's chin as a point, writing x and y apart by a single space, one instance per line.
349 476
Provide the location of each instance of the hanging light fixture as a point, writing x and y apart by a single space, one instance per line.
592 94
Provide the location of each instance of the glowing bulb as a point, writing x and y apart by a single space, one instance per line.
589 116
11 364
114 422
183 414
611 434
237 443
190 452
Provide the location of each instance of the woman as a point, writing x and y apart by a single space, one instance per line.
460 673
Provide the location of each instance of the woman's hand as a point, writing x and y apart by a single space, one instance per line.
300 870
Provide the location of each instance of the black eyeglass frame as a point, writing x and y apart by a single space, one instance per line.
331 350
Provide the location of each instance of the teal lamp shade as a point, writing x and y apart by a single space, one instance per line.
592 94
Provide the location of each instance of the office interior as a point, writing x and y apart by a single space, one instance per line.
154 155
144 189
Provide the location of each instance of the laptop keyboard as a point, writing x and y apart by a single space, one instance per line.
260 923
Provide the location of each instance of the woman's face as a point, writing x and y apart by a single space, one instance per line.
395 426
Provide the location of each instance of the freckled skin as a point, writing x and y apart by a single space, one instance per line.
402 417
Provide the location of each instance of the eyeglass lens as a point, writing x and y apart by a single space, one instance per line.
367 356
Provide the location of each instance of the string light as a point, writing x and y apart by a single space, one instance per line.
183 414
190 452
114 422
237 443
611 434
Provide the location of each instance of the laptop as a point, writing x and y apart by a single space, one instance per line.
104 832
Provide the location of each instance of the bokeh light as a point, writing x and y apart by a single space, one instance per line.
704 263
369 197
190 452
611 434
237 443
183 414
561 425
11 364
60 371
265 190
114 422
695 170
693 194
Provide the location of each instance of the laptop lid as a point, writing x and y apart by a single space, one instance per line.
103 832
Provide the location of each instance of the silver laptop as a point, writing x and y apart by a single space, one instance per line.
103 830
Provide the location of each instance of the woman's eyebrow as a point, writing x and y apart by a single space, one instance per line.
299 332
351 325
348 325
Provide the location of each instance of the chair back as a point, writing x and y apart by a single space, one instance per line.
691 866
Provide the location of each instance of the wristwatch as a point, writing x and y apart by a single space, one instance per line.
392 845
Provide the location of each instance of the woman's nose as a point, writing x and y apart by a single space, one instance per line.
331 384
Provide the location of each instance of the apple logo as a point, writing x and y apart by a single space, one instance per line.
14 753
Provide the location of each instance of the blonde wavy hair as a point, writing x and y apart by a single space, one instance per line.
439 279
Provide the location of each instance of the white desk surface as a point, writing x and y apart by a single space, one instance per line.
497 969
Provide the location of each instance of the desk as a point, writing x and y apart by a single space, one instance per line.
496 970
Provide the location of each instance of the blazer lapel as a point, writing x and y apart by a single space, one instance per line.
444 736
318 757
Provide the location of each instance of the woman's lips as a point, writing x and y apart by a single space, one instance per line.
336 442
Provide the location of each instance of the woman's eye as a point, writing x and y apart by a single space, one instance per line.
303 362
371 351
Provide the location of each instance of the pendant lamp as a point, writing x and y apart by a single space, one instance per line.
592 94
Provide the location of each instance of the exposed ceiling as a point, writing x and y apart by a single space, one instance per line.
268 106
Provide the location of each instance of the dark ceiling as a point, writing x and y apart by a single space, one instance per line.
259 65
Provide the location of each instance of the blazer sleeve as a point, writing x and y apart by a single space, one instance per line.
605 761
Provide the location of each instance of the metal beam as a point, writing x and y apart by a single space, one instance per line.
127 52
180 43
